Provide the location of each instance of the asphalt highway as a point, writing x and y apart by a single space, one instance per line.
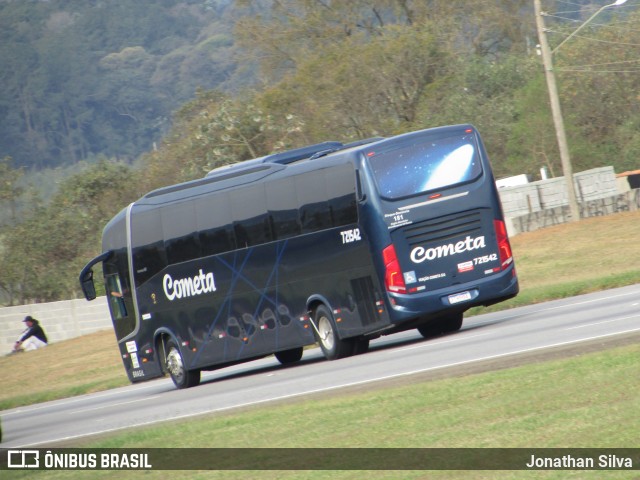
490 339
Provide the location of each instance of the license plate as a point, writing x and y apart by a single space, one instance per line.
459 297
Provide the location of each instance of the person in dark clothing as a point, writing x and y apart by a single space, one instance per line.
33 337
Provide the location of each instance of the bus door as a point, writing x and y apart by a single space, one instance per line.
119 297
120 300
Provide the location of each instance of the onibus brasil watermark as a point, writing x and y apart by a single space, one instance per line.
77 460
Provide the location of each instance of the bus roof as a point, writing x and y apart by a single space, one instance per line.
290 156
260 167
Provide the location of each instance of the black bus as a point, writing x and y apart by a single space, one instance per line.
331 243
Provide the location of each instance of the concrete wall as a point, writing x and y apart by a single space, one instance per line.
60 320
545 202
552 193
623 202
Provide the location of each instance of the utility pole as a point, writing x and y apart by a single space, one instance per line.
556 112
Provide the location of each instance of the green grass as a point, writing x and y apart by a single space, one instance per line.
586 401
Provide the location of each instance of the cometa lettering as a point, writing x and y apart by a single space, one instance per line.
188 287
421 254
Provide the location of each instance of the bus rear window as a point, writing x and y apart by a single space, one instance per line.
425 164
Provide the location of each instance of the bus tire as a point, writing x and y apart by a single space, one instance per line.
360 345
182 378
332 346
452 323
289 356
448 324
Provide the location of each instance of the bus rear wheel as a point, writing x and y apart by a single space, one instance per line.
448 324
182 378
332 346
289 356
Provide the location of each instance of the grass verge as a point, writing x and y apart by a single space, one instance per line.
587 401
82 365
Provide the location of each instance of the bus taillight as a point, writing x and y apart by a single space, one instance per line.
393 278
504 247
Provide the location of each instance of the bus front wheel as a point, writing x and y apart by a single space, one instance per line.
182 378
332 346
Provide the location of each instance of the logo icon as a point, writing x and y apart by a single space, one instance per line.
23 459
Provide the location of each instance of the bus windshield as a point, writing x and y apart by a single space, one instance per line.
425 164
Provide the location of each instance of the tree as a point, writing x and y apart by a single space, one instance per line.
598 77
43 255
283 36
215 130
84 79
10 188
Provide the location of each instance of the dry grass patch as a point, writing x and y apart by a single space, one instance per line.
582 251
81 365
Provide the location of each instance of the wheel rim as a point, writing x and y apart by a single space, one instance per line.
174 365
325 331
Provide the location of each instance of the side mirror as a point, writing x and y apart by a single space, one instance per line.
88 287
86 275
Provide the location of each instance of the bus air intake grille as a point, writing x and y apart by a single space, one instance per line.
364 292
444 229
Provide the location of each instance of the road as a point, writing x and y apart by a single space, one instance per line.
484 340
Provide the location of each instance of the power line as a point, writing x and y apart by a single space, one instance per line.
613 63
611 26
582 10
582 70
585 7
596 40
590 68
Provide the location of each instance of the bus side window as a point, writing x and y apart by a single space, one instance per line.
149 256
116 297
180 232
213 214
283 208
341 188
311 191
250 220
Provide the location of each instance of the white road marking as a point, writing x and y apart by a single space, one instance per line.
602 322
81 398
434 343
111 405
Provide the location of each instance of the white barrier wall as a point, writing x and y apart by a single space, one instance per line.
551 193
622 202
60 320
